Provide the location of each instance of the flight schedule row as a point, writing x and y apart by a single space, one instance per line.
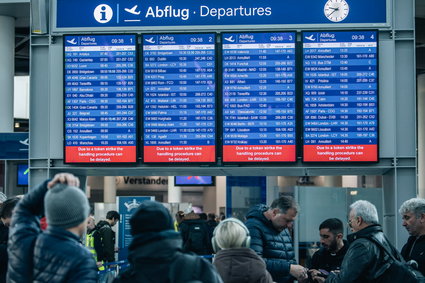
182 95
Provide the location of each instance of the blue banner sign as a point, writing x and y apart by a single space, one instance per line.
14 146
126 207
160 13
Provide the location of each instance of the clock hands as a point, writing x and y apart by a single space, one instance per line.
334 10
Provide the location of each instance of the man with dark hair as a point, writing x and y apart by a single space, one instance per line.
108 235
413 215
333 249
271 240
155 253
6 209
56 254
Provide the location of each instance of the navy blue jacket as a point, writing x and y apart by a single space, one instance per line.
53 256
157 257
273 246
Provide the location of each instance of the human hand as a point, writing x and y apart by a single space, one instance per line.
64 178
298 271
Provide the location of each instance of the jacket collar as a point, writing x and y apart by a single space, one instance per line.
365 232
61 233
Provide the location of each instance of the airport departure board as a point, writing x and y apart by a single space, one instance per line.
258 97
179 96
100 98
340 93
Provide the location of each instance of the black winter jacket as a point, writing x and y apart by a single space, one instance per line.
273 246
57 255
107 236
415 249
323 259
364 260
4 234
157 257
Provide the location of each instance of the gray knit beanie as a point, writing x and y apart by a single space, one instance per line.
66 206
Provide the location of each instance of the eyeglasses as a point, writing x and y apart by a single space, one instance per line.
350 221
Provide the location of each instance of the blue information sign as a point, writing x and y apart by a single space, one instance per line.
126 207
183 13
100 98
259 97
340 87
179 97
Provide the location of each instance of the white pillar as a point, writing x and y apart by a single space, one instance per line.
220 186
421 135
7 72
174 193
272 189
109 190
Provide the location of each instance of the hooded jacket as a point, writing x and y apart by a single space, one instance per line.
107 236
364 260
241 265
273 246
157 257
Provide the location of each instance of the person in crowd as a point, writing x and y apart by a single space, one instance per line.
195 234
107 236
211 223
234 260
329 257
94 242
203 216
363 260
179 219
271 240
6 211
413 214
155 253
55 255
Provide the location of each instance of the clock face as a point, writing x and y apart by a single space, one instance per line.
336 10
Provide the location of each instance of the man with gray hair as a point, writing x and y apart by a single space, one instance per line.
413 214
55 255
363 260
271 240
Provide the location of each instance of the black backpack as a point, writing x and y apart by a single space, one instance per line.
395 269
198 239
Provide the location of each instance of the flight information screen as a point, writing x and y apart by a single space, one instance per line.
179 98
259 97
340 96
100 98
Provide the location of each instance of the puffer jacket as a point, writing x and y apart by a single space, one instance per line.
60 257
273 246
25 232
364 260
157 257
241 265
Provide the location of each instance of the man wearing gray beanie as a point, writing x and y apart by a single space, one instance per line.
55 255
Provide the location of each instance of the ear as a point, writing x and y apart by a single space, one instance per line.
339 236
422 219
275 211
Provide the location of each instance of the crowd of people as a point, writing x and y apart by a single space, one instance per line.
164 249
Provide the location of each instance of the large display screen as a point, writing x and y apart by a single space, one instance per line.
259 97
340 93
179 98
100 98
22 174
194 180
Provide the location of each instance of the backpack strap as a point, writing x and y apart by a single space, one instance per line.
386 249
